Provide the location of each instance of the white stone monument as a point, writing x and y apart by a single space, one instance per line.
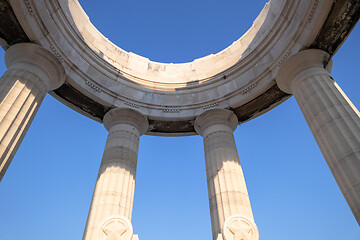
53 47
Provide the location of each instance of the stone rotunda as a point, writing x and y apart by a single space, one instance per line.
51 46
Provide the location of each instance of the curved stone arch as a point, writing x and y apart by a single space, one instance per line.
112 77
301 35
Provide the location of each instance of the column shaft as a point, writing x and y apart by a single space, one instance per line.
332 118
32 71
114 191
226 183
335 124
20 99
227 190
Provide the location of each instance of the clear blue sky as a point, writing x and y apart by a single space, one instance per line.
46 193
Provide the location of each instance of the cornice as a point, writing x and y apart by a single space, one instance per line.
247 99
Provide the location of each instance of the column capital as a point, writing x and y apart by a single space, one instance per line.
126 116
215 117
302 61
37 60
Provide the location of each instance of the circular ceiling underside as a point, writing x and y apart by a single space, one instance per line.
171 95
173 31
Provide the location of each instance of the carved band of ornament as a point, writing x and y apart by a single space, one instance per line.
247 89
316 3
93 86
56 53
29 7
171 110
284 58
210 105
131 104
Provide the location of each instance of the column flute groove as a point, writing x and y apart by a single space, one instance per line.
112 202
230 208
32 72
332 118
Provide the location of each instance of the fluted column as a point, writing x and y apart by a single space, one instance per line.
111 206
332 118
32 72
229 202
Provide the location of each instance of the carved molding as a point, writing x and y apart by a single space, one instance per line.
29 7
171 110
284 58
210 105
93 86
248 88
131 104
316 3
56 53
